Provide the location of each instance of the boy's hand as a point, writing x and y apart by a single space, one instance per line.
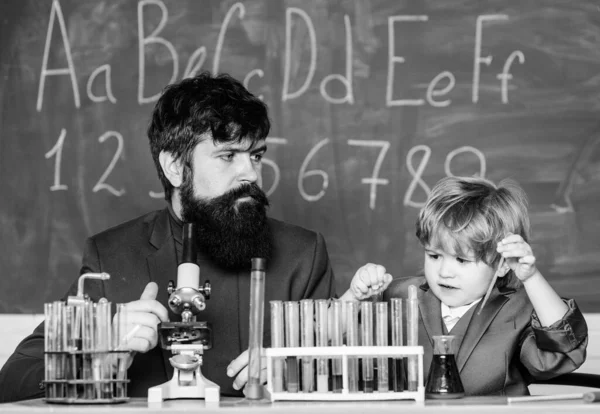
519 256
369 280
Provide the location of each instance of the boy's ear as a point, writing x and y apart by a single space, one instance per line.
172 168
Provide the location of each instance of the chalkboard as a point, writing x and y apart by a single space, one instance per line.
371 103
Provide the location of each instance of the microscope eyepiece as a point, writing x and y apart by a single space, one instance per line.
259 263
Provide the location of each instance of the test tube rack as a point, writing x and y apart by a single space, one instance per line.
84 357
75 387
345 352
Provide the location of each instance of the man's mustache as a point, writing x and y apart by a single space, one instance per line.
245 190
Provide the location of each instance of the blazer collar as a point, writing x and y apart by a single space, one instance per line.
160 232
431 314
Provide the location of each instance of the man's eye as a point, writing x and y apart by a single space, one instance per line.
258 157
228 156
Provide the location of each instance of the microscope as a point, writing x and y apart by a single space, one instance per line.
187 339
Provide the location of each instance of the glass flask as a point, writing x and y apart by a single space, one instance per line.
443 380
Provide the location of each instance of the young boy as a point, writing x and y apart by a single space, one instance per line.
471 230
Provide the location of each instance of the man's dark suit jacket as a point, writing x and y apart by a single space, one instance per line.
504 348
143 250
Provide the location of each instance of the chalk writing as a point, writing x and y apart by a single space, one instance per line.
297 23
250 75
453 153
101 185
417 174
431 92
505 76
393 59
289 12
195 62
152 39
57 150
374 180
56 13
273 165
305 174
109 94
478 58
346 80
242 12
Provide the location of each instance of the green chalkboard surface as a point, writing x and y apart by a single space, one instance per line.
371 101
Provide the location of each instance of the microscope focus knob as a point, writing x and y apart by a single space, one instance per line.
171 287
199 303
175 301
206 290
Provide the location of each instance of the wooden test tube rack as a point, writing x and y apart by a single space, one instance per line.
344 352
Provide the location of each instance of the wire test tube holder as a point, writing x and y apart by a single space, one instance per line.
344 352
80 349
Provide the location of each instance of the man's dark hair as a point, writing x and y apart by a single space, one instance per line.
186 110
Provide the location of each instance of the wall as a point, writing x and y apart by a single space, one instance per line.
372 102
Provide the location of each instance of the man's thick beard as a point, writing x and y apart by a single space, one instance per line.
230 232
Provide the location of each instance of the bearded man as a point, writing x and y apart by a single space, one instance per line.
207 138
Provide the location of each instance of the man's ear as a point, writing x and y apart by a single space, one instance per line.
172 168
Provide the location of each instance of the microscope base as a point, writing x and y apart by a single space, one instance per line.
190 384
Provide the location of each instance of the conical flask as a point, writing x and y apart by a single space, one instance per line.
443 380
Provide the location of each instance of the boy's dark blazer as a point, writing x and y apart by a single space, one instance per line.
504 348
143 250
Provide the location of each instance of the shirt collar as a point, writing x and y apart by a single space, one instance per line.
457 312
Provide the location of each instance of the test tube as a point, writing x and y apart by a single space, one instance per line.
101 370
366 312
254 390
70 347
50 364
412 334
87 344
277 341
307 318
59 341
321 309
292 340
381 329
398 377
120 341
336 340
352 340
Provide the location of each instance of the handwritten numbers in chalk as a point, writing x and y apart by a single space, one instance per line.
417 174
273 165
374 180
305 174
101 185
417 161
156 194
57 150
454 153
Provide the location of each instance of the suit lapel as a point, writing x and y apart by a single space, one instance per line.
162 267
478 325
431 313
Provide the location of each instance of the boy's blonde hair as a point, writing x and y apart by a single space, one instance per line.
469 215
